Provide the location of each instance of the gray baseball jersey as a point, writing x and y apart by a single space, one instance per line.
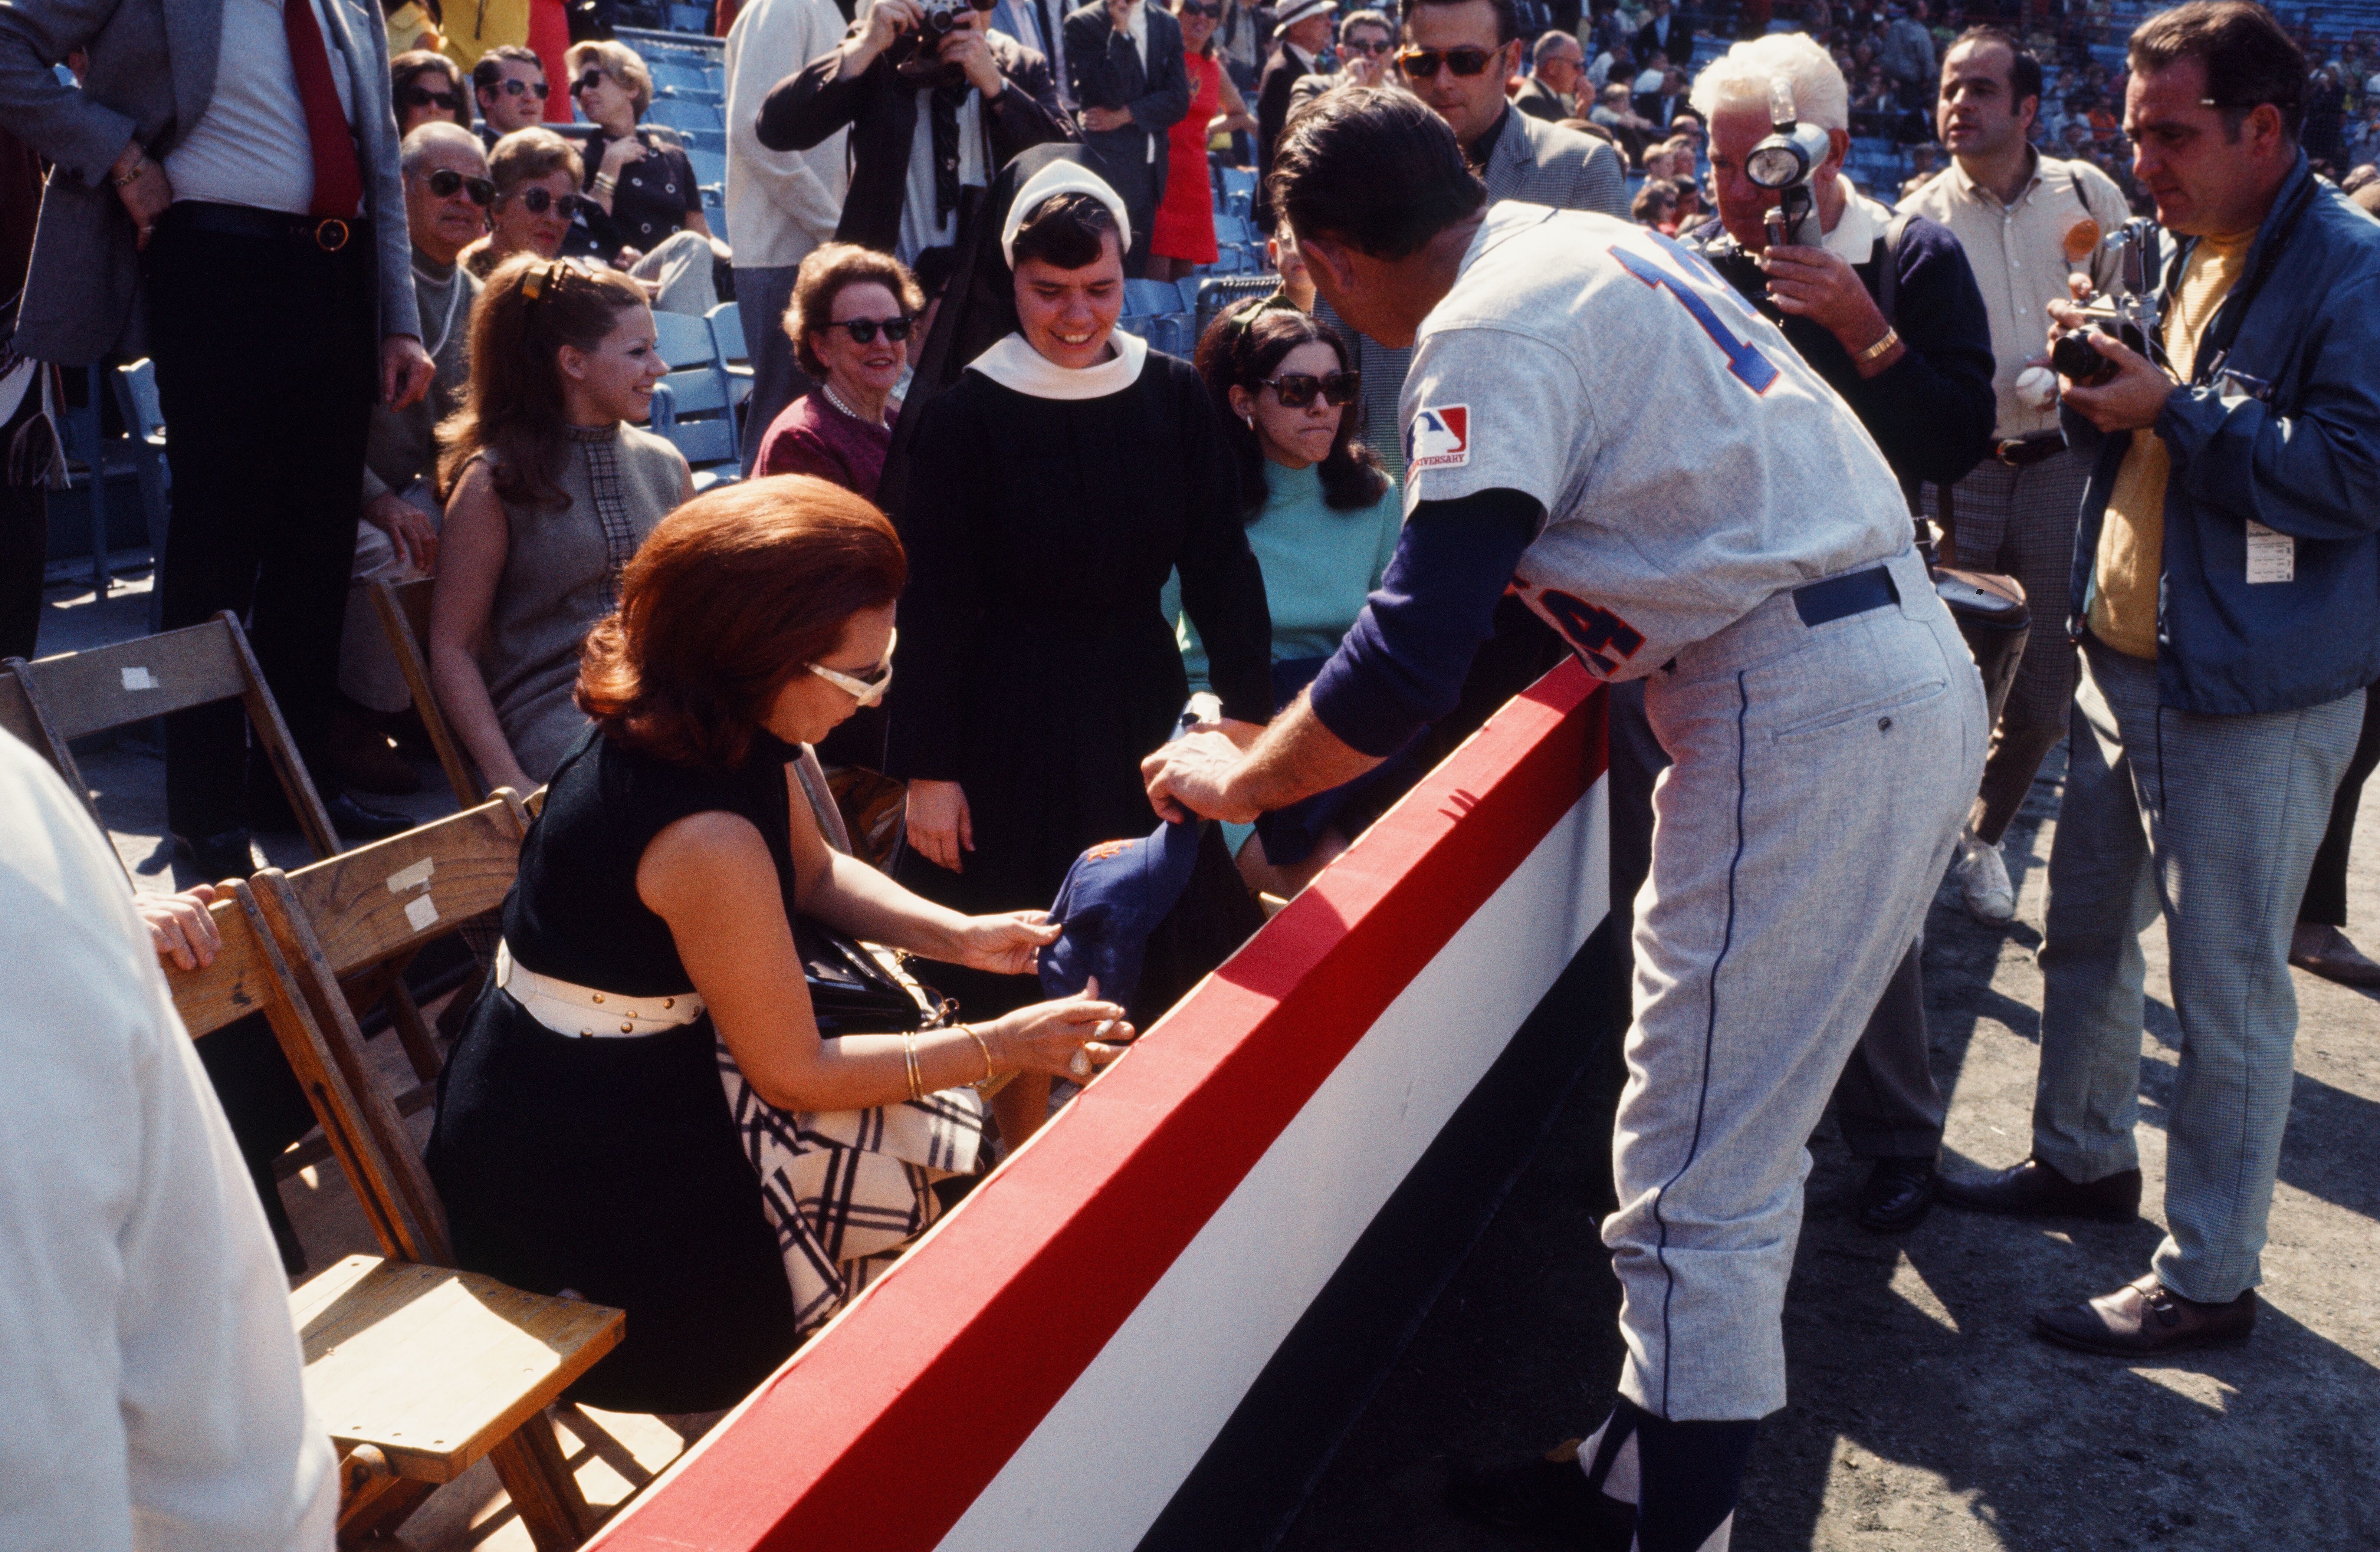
1690 463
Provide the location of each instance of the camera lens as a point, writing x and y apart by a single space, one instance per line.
2073 357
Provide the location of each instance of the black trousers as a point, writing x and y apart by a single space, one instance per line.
267 356
2325 895
24 541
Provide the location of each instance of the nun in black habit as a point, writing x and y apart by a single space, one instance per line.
1044 490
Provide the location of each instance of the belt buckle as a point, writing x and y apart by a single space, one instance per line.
330 241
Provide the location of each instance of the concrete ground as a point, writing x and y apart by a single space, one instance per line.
1922 1415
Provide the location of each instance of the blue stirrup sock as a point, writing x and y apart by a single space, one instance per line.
1683 1477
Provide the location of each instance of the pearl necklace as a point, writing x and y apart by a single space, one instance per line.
836 399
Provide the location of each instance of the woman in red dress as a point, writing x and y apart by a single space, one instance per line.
1182 237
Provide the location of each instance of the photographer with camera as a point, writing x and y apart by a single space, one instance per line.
2013 211
1885 310
936 102
2227 589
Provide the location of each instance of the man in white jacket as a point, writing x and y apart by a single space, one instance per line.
151 1395
781 204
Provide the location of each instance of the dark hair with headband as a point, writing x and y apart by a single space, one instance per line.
532 306
1245 347
1066 231
1374 167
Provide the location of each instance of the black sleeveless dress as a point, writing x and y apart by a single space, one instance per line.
612 1166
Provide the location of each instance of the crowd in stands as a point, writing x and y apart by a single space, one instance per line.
405 292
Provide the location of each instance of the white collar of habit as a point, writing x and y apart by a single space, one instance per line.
1014 363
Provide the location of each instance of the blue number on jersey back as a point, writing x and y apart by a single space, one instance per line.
1744 359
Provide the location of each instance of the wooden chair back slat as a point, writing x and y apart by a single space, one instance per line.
250 975
389 898
79 694
20 714
397 1184
404 608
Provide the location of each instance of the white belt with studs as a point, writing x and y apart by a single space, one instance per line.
568 1008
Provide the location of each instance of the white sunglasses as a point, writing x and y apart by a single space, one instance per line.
868 691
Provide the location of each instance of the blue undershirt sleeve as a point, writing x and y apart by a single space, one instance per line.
1402 664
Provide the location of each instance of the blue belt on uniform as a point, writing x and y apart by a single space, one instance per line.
1839 598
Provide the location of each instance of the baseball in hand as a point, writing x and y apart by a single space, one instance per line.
2036 388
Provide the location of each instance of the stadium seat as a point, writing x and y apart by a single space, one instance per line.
692 404
681 114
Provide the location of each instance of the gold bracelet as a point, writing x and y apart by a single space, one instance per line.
1891 337
909 1060
129 179
981 1047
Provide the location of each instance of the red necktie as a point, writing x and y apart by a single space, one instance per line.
338 182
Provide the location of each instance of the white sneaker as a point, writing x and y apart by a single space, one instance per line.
1984 881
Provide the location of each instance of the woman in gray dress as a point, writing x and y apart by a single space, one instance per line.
549 491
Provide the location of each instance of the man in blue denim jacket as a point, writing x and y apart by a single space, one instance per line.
2226 595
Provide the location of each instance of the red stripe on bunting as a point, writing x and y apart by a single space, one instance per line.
882 1434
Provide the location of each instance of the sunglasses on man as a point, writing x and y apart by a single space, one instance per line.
1371 48
513 86
445 181
863 330
866 688
1296 390
1425 63
422 97
537 200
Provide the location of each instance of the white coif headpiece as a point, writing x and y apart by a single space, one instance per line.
1062 177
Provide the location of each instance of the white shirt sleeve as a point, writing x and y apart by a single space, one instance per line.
152 1396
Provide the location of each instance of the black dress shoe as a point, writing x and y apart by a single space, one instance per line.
224 855
1547 1496
1899 1194
2144 1318
2034 1188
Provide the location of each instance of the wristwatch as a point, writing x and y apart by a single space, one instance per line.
1891 337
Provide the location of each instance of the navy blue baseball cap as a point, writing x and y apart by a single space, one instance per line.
1113 899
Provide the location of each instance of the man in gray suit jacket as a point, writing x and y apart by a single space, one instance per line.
1123 62
225 198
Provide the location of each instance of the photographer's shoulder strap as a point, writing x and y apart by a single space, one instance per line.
1885 287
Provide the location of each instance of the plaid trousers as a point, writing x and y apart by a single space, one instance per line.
2020 522
2212 821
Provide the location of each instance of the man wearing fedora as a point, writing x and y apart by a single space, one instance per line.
1301 32
224 199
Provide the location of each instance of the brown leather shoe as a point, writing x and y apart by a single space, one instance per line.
2327 952
2146 1318
2034 1188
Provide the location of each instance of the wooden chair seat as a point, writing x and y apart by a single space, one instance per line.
435 1368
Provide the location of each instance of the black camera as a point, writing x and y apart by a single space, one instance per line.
2130 320
2073 358
917 54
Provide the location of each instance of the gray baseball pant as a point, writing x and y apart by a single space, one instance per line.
2214 821
1821 775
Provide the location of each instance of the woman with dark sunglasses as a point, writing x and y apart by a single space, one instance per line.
1182 237
852 319
1323 520
536 173
427 87
640 181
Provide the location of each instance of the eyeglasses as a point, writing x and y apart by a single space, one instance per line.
1425 63
1370 46
536 198
1191 7
422 97
867 689
513 86
445 181
863 330
587 82
1296 390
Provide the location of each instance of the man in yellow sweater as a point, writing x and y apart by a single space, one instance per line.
2227 596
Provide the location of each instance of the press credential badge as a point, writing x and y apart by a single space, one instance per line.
2272 557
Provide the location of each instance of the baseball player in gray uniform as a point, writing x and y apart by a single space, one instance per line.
1827 721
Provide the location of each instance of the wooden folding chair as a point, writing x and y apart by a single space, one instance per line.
79 694
417 1370
404 610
